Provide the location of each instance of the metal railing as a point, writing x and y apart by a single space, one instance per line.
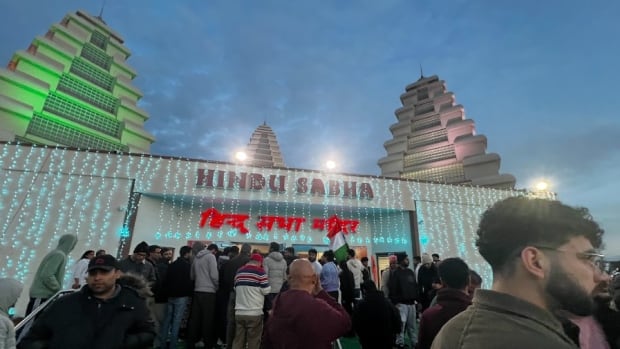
24 326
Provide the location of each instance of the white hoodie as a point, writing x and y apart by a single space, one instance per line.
10 290
355 266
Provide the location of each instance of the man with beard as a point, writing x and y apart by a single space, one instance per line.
103 314
587 331
544 258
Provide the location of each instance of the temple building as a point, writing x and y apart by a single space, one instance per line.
433 141
72 88
263 149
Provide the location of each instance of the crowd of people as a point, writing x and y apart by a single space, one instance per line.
548 291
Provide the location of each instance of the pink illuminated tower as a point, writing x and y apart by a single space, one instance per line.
434 141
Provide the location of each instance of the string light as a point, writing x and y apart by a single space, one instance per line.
46 192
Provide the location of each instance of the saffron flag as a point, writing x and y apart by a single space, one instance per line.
337 242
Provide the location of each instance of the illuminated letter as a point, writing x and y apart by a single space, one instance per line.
350 190
302 185
281 182
234 179
265 222
216 220
317 187
318 223
334 187
366 191
257 181
237 221
205 180
220 179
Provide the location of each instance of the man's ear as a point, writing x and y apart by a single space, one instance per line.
534 262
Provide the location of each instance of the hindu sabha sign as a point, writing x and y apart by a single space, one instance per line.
278 184
216 219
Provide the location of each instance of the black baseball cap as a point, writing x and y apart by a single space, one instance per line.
105 262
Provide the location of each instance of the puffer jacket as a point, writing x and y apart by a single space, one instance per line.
80 320
275 268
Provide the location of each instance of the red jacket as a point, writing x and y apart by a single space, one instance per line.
300 320
450 302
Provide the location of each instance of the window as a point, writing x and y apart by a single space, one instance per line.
91 95
96 56
65 107
52 131
86 71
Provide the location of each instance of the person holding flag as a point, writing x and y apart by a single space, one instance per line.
337 241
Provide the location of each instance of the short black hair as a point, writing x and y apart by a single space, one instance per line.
165 249
234 249
213 247
351 252
152 248
454 273
364 259
435 255
100 253
512 224
329 255
312 250
274 247
185 250
290 250
417 258
475 278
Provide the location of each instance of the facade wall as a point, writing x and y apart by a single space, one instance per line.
46 192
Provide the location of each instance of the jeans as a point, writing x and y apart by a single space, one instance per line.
408 318
175 309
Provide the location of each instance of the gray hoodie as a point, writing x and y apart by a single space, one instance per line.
275 268
10 290
204 272
49 277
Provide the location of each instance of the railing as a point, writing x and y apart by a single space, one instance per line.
24 326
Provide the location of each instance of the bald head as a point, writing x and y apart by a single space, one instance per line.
301 275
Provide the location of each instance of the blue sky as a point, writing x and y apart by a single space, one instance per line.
538 77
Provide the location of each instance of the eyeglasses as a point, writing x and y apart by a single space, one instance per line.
594 258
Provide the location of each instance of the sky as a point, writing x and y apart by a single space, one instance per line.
538 78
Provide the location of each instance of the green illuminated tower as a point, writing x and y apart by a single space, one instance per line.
73 88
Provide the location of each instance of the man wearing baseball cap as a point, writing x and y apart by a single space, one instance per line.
103 314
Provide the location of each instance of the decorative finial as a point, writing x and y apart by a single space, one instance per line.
101 11
421 72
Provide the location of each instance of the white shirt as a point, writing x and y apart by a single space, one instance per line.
79 271
317 267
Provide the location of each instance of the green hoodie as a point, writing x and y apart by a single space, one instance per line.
51 272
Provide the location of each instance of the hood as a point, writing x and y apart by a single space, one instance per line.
135 282
10 289
355 264
276 256
67 243
203 253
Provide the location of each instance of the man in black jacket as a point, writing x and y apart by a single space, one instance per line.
404 294
178 287
375 319
102 315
